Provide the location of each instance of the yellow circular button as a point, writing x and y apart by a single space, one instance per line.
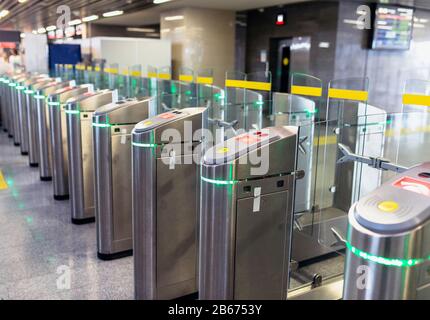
388 206
222 150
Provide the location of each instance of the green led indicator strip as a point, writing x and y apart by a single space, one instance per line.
39 97
391 262
20 87
53 104
72 111
101 125
28 91
145 145
12 84
220 182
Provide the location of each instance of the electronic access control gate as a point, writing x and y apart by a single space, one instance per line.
165 204
79 111
112 127
43 138
247 215
388 242
58 134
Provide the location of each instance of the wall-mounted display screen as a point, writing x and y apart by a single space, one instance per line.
393 28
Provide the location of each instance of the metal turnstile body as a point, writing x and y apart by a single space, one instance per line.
14 131
43 139
165 205
23 96
388 242
112 165
31 118
4 85
79 112
246 216
58 135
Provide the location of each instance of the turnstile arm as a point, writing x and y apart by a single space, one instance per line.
377 163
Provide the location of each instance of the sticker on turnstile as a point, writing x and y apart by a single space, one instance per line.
90 87
240 145
257 200
72 83
58 80
124 136
115 97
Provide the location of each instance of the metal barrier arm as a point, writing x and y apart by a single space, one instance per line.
377 163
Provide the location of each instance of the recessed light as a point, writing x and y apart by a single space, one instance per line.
174 18
4 13
113 13
51 28
90 18
161 1
75 22
141 29
41 30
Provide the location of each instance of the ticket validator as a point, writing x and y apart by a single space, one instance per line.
246 215
58 134
388 240
79 112
112 127
165 204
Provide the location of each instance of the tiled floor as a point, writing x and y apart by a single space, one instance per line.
38 242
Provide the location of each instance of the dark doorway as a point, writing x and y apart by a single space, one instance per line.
280 61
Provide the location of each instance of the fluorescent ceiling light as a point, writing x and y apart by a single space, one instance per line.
4 13
141 30
22 1
161 1
51 28
75 22
34 31
113 13
174 18
90 18
41 30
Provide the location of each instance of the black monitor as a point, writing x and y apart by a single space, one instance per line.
392 28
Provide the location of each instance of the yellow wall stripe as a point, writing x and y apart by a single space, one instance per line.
186 78
252 85
205 80
306 91
152 75
356 95
97 69
164 76
3 183
89 68
416 99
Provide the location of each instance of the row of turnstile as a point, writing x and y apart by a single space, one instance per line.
200 219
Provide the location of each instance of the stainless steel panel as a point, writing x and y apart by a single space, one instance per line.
176 234
44 139
260 272
122 193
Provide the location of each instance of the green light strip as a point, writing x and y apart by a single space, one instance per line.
101 125
39 96
72 111
144 145
12 84
53 104
28 91
20 87
391 262
7 81
220 182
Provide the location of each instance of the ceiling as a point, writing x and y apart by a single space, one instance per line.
34 14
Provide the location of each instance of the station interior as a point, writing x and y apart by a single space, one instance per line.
214 150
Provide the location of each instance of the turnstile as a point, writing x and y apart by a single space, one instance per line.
79 112
4 115
112 126
33 147
165 204
14 131
29 122
43 139
246 215
388 242
58 134
23 97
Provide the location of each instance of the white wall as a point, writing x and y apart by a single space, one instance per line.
36 52
131 51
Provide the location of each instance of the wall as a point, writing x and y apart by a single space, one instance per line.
317 20
36 52
203 39
387 70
